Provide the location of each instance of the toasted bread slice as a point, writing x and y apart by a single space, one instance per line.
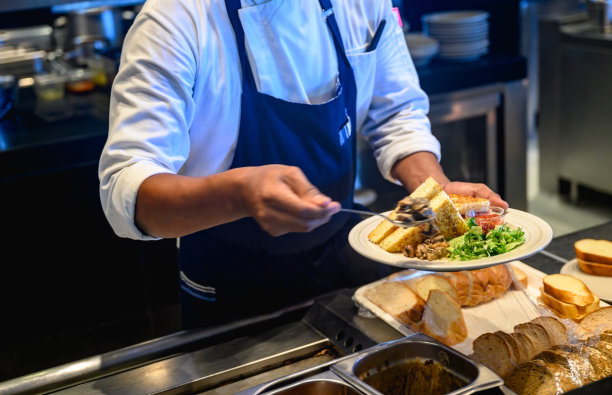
401 237
428 189
568 310
443 319
465 204
448 219
568 289
396 299
593 250
596 269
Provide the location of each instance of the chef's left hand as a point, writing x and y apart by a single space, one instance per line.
476 190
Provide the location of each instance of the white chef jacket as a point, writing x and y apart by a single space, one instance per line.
175 102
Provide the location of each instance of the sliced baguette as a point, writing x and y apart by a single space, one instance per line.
443 319
594 250
594 268
396 299
568 289
424 284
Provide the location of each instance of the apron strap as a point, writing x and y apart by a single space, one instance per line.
232 7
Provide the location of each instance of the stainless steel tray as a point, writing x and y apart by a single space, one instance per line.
477 376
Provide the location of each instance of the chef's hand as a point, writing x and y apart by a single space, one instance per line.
282 200
475 190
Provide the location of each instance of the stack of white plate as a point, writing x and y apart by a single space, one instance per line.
462 35
422 48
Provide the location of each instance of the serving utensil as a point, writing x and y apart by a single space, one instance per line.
397 222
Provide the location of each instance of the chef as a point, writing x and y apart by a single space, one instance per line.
233 126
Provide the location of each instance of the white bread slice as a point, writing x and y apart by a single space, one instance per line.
494 352
428 189
593 250
599 320
396 299
568 310
596 269
568 289
465 204
443 319
424 284
520 276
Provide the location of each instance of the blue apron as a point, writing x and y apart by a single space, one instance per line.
236 270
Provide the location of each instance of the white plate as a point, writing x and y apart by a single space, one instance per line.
538 235
600 285
455 17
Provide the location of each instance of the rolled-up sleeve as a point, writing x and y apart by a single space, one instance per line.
396 124
151 109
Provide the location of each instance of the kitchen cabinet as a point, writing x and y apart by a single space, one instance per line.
69 287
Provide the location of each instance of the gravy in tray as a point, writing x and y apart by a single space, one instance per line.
415 377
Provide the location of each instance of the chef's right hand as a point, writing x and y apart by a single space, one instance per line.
282 200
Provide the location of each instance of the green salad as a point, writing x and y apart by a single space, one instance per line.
475 243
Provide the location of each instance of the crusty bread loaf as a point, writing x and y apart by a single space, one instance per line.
443 319
568 289
468 293
597 365
396 299
528 348
520 276
557 331
494 352
568 310
599 320
538 377
536 333
428 189
594 268
518 353
465 204
594 250
424 284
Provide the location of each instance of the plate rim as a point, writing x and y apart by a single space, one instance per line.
439 265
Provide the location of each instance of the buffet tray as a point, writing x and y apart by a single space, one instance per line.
516 306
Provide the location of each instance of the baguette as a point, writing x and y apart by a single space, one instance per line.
568 289
593 250
594 268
